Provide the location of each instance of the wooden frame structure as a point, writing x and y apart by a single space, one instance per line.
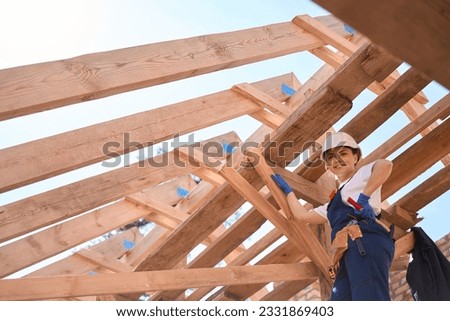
216 176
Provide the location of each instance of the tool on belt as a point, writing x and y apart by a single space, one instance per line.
340 242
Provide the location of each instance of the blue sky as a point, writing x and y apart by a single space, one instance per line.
46 30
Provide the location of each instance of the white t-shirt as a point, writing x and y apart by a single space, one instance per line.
353 187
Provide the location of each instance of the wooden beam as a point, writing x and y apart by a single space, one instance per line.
104 261
440 110
101 142
285 253
426 192
150 202
221 247
401 217
168 192
262 99
417 158
243 259
413 110
386 104
418 34
328 104
346 47
29 89
209 176
113 247
404 245
72 286
145 246
56 239
297 233
49 207
327 35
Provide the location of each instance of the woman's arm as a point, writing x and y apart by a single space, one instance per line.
381 171
301 213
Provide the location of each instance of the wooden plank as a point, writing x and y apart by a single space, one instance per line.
330 57
198 196
168 192
296 232
418 34
111 247
38 87
327 35
386 104
310 86
49 207
220 248
148 243
404 245
426 192
440 110
346 47
267 118
243 259
71 286
149 201
414 110
104 261
328 104
92 144
417 158
209 176
56 239
162 214
263 169
223 202
261 98
200 159
285 253
400 216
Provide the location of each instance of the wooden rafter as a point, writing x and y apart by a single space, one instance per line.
415 33
103 74
72 286
116 137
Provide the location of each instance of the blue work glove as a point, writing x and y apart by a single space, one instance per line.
367 211
282 184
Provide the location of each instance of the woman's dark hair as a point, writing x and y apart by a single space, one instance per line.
355 151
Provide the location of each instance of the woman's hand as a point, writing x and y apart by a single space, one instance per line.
282 184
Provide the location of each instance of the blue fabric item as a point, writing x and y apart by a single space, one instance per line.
127 244
282 184
361 278
287 90
349 29
366 213
228 148
182 192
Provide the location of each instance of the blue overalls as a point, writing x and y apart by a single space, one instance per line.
361 277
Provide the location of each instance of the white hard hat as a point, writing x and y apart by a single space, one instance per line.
338 139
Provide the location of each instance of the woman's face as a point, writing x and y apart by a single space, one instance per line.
341 161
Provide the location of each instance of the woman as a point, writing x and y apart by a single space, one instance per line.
363 270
